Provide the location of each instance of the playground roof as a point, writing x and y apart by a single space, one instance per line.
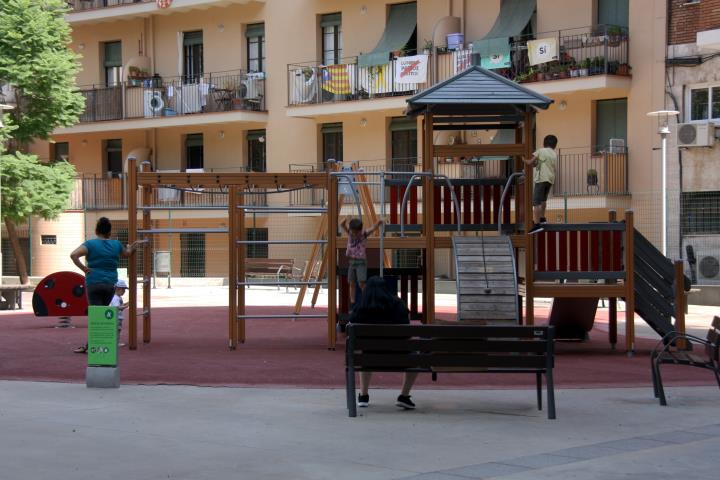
477 90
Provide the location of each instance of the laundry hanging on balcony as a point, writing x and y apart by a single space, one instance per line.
494 48
335 79
400 26
542 51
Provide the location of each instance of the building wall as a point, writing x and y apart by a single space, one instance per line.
69 231
690 18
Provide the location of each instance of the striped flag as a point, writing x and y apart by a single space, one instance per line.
336 79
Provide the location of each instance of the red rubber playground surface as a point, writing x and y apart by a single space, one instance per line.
189 347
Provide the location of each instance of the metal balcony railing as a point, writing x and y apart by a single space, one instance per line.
171 96
585 51
592 171
82 5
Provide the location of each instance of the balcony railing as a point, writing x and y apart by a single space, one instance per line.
82 5
586 51
171 96
592 171
98 192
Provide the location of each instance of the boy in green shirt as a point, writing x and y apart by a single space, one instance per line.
545 162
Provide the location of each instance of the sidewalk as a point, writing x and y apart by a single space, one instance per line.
65 431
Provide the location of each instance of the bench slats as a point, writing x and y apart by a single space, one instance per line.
416 360
451 345
447 331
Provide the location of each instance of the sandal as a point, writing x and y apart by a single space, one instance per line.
82 349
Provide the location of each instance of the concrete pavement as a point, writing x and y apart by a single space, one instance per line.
66 431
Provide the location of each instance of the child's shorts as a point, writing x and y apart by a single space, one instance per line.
541 192
357 271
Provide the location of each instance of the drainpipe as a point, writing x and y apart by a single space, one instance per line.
680 208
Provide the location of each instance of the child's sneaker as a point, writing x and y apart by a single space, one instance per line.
536 228
403 401
363 400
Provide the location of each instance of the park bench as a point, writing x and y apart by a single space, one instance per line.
277 269
12 296
451 349
668 351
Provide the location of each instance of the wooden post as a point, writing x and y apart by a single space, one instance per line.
311 263
612 302
147 258
132 237
680 302
429 222
232 269
529 239
332 259
241 254
629 282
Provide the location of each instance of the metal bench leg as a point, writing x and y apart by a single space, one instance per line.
661 390
550 386
717 376
352 406
538 383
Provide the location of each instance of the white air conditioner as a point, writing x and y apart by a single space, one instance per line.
708 269
695 134
617 146
707 254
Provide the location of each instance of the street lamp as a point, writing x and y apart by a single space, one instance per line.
663 129
3 107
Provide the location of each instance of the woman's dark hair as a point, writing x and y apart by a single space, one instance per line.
103 227
375 296
355 224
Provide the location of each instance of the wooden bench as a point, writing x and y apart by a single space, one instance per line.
12 296
447 348
666 351
277 269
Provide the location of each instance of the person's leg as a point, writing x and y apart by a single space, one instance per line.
408 382
352 278
365 382
362 274
537 200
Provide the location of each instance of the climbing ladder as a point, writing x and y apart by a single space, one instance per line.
487 290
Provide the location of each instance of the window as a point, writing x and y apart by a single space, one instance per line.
610 122
192 56
113 157
613 12
256 150
332 143
48 239
255 35
61 151
403 135
259 235
331 31
194 152
112 61
192 255
700 213
704 102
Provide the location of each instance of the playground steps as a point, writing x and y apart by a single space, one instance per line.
486 262
654 288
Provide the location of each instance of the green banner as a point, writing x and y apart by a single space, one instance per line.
102 336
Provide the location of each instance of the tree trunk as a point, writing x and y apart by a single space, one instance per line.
17 251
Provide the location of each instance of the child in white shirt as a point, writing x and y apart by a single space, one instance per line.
117 301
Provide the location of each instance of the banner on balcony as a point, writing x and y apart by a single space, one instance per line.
411 69
463 60
496 60
335 79
494 52
543 50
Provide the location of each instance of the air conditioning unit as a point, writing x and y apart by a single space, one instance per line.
708 270
706 249
617 146
695 134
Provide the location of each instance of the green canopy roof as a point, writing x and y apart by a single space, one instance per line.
401 23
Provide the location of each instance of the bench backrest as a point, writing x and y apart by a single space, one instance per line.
713 337
426 346
268 264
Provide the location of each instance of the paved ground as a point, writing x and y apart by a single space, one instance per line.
66 431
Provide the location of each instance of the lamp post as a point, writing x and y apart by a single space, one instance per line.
3 107
664 129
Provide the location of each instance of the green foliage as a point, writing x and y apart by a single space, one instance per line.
36 62
32 188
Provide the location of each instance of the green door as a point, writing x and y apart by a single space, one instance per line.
610 122
613 12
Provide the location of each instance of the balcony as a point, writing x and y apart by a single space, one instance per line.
239 96
84 5
589 58
592 171
99 192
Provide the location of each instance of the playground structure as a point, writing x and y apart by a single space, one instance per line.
428 211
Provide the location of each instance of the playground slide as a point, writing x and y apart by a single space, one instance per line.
573 317
486 280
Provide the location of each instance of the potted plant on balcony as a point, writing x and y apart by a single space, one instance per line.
597 66
574 69
592 177
615 35
623 69
427 47
613 67
584 69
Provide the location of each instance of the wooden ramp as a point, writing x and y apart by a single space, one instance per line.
487 289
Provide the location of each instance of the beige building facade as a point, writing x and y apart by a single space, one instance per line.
235 85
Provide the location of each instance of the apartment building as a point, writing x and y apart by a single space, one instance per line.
277 85
693 181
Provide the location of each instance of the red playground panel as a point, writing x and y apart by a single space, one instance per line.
60 294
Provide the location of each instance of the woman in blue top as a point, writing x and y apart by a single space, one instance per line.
103 255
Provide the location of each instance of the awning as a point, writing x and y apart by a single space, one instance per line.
513 18
399 124
331 20
192 38
113 54
400 26
332 128
255 30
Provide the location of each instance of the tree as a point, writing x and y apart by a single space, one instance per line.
37 71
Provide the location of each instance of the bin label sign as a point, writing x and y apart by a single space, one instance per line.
102 336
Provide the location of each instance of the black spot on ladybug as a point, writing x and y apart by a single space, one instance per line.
58 301
79 290
50 283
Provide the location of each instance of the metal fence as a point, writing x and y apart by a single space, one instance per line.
584 51
592 171
81 5
150 97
